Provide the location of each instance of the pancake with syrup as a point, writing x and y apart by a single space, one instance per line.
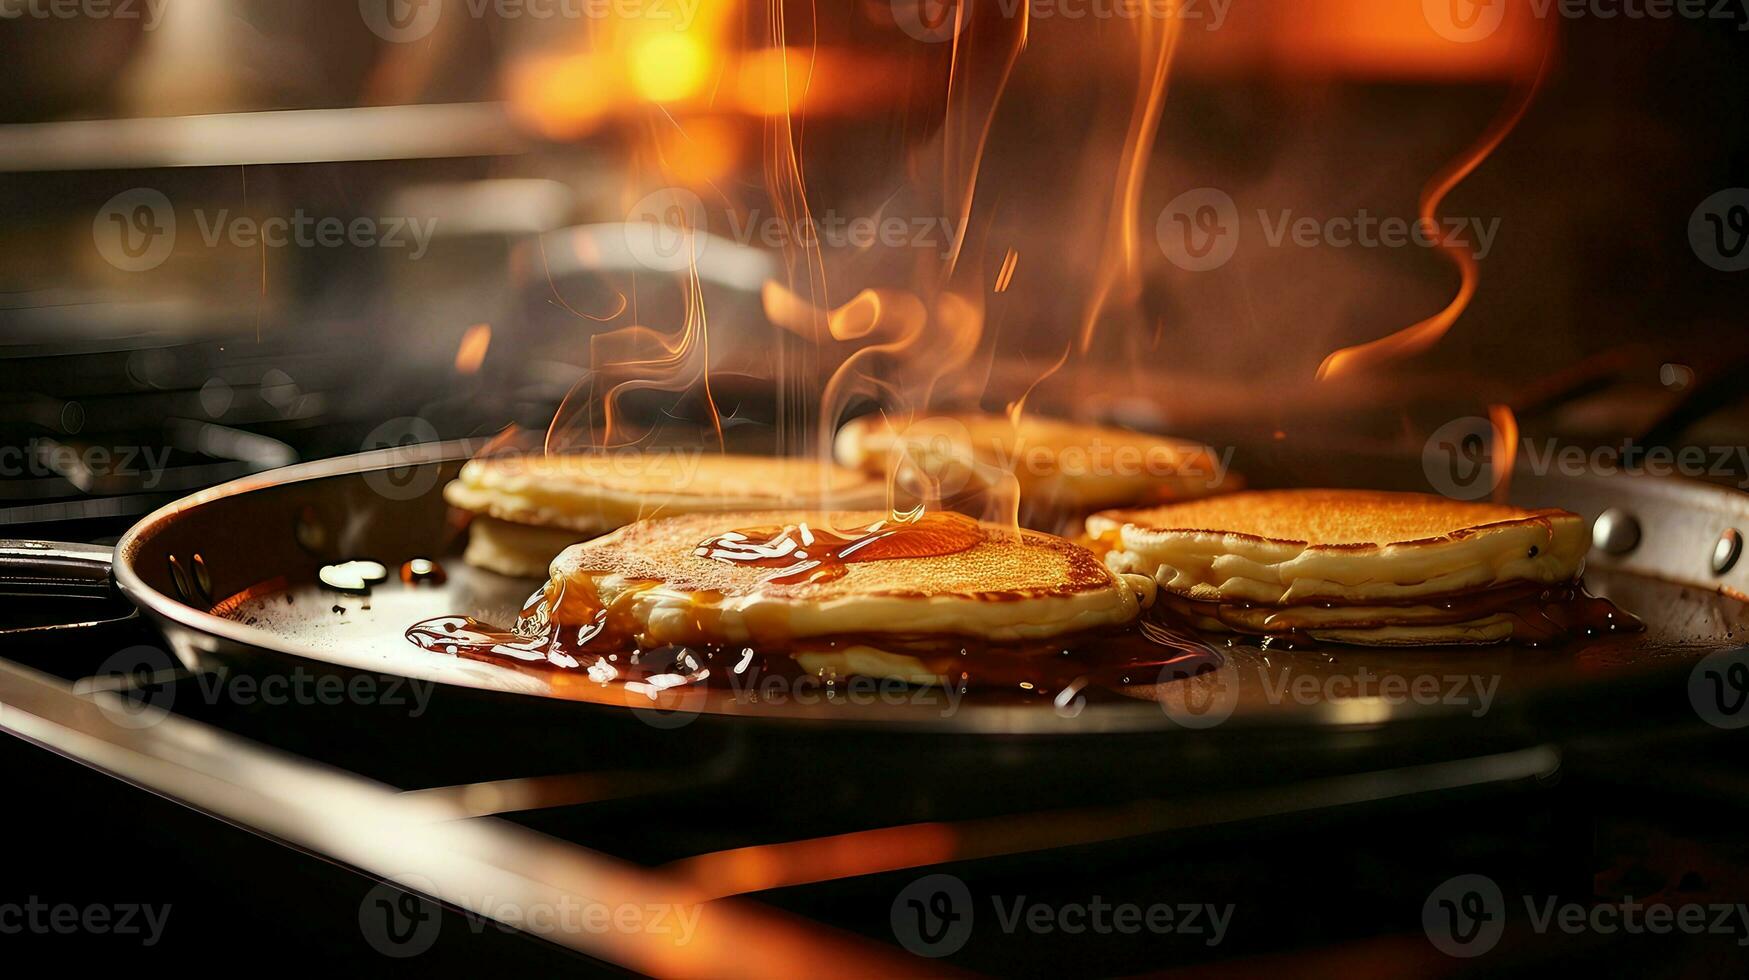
859 592
1361 567
1063 469
529 507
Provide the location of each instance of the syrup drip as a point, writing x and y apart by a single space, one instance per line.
801 553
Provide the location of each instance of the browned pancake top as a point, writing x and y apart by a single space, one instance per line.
1339 519
1001 565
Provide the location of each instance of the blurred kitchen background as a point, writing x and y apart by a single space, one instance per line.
136 366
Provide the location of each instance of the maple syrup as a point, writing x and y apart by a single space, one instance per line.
802 553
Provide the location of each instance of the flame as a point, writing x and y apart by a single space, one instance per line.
638 358
1017 408
1157 40
472 352
1005 277
1505 455
1420 336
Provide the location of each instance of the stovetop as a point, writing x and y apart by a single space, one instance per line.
1332 873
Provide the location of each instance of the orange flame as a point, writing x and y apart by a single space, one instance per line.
1505 455
1158 40
472 352
638 358
1420 336
1005 276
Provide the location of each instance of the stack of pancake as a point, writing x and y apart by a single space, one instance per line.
902 598
1381 569
1061 470
527 508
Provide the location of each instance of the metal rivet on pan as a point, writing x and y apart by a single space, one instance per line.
179 579
1726 552
1616 532
203 579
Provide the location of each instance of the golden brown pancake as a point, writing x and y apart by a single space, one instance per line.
778 578
530 507
1060 466
1350 566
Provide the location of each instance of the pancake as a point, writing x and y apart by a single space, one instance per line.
789 580
1061 467
530 507
1355 566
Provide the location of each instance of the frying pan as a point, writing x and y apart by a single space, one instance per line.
230 577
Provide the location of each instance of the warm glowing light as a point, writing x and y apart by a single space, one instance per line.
668 67
1505 455
472 352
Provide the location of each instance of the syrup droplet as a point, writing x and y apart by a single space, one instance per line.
423 571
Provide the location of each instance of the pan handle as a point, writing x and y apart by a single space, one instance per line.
55 568
60 570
